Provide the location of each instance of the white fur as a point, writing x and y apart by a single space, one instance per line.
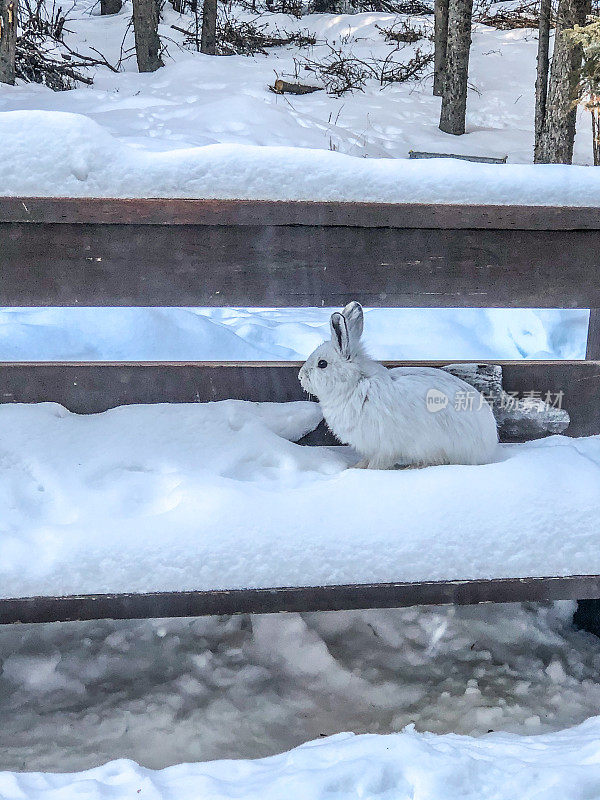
383 413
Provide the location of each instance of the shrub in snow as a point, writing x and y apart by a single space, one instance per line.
340 71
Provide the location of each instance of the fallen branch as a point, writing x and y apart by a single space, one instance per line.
524 16
283 87
402 33
479 159
341 72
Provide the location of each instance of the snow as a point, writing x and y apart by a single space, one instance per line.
250 334
76 695
214 496
209 127
401 766
83 160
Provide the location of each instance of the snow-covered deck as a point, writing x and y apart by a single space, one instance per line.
217 496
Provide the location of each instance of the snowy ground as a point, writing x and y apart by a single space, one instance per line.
180 334
209 127
73 696
400 767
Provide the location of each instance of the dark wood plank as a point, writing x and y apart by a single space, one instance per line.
295 265
300 599
178 211
593 338
93 387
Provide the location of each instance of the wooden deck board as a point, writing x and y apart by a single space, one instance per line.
297 599
96 386
99 252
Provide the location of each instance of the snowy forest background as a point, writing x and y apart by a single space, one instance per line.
363 77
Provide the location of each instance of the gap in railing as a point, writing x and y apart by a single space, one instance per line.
285 334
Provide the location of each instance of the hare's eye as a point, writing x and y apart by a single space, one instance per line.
322 364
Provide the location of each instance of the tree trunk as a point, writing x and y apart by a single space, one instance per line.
558 130
147 42
110 6
8 39
454 97
441 44
541 83
595 111
208 43
196 9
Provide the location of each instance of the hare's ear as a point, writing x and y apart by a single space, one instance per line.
353 314
339 334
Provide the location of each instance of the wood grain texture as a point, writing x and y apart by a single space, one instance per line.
51 264
178 211
298 599
94 387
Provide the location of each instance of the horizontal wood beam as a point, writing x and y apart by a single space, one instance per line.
99 264
96 386
178 211
298 599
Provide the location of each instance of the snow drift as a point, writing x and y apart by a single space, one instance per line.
403 766
53 153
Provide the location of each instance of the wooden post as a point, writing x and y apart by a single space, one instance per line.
8 40
587 615
110 6
558 132
145 28
593 337
543 63
454 97
441 45
208 43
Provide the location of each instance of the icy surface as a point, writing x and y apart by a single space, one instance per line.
209 127
209 496
73 696
282 334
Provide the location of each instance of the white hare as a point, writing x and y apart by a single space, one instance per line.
408 416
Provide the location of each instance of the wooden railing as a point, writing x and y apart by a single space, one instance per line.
99 252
